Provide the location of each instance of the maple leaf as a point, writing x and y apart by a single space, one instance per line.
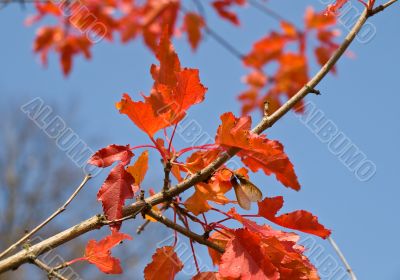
315 20
110 154
244 258
257 152
175 90
335 7
99 253
193 23
249 255
200 159
220 238
158 15
265 50
165 265
298 220
139 169
141 113
214 190
113 193
263 230
169 62
221 6
206 276
71 47
187 91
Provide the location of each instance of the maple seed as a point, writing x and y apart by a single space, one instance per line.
246 192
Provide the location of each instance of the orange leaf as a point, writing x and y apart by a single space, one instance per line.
141 113
298 220
266 50
175 90
214 191
315 20
99 253
335 7
164 266
139 169
169 62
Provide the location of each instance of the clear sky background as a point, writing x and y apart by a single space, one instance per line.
362 100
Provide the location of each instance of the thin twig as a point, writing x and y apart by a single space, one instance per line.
267 11
50 271
95 222
380 8
342 258
51 217
186 223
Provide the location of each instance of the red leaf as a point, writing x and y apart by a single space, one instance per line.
221 6
110 154
193 23
257 152
99 253
244 258
221 238
250 255
141 113
164 266
298 220
263 230
113 193
206 276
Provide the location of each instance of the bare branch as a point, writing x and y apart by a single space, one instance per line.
51 217
50 271
342 258
193 236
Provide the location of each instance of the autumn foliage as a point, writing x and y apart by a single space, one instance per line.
255 249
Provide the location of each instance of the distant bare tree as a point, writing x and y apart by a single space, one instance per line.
36 177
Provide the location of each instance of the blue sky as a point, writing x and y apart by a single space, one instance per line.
361 100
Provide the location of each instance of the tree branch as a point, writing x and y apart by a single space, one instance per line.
50 271
97 221
342 258
51 217
380 8
190 234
